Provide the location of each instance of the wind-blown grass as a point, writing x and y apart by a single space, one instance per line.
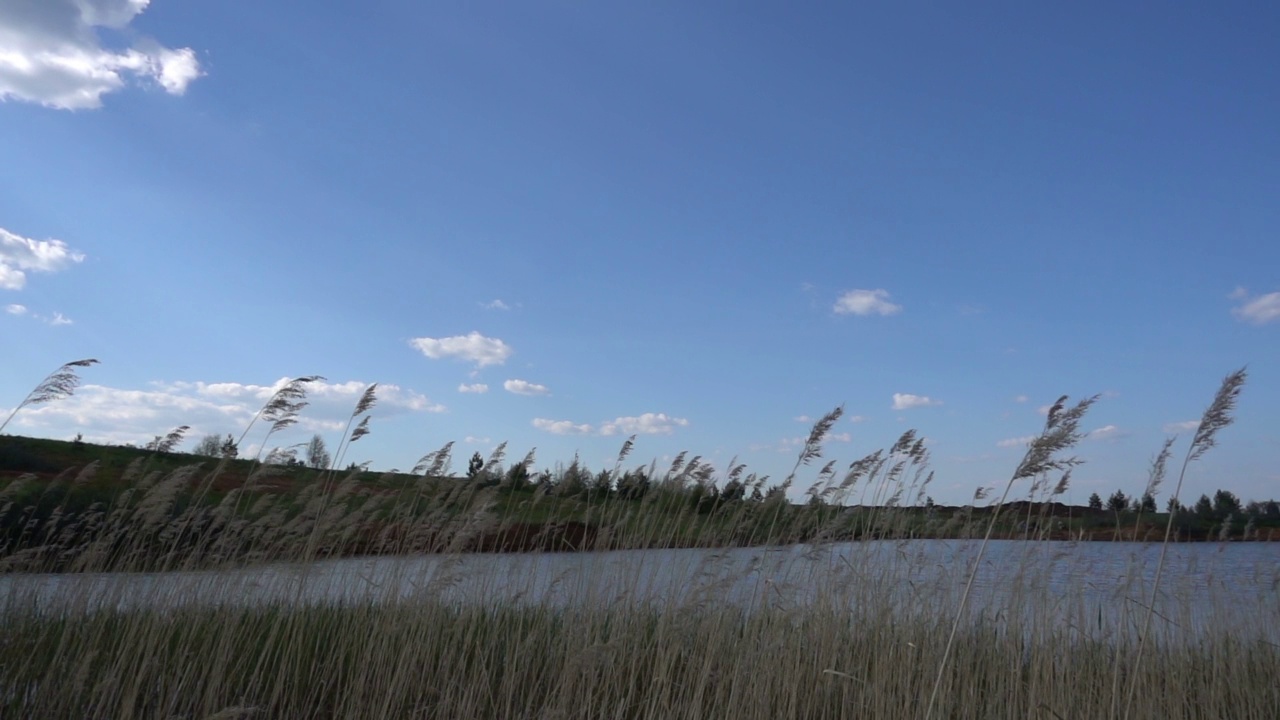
868 630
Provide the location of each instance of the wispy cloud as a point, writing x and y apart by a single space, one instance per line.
495 304
561 427
53 54
1184 426
1021 398
127 415
20 255
906 401
57 319
478 388
472 347
646 424
866 302
524 387
473 440
1016 441
1107 432
16 309
1259 309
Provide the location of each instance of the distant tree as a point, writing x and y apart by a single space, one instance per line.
209 446
733 491
1225 503
317 454
633 485
229 449
78 439
517 476
1174 506
602 485
1204 507
1118 502
1095 502
475 466
756 495
1271 509
1147 503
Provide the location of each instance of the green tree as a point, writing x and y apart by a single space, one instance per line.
1147 504
1225 503
475 466
1118 502
1095 502
209 446
229 449
1204 507
317 454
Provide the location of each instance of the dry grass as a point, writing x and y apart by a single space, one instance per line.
873 629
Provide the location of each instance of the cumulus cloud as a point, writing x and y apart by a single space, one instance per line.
1023 441
16 309
866 302
20 255
646 424
1184 426
524 387
472 347
561 427
52 53
477 388
1107 432
118 415
1259 309
906 401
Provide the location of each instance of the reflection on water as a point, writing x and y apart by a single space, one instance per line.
1236 585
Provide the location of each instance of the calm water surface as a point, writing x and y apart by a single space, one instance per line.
1235 585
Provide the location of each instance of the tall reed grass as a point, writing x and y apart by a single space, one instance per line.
870 629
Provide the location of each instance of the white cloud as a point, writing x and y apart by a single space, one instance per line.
1044 409
1184 426
51 53
20 255
1258 310
472 347
478 388
1016 442
16 309
117 415
473 440
857 418
1021 399
57 319
646 424
803 419
866 302
1107 432
524 387
495 304
906 401
561 427
840 437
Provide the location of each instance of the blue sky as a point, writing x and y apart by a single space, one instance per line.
693 221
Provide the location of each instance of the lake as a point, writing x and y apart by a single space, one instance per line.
1230 587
